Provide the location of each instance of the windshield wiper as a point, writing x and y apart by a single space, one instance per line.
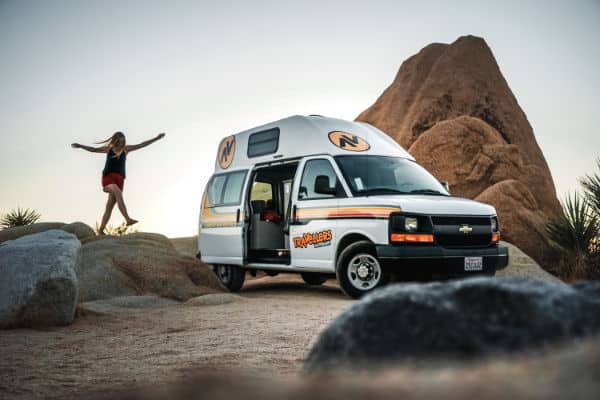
381 190
432 192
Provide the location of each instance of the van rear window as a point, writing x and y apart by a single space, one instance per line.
263 143
226 189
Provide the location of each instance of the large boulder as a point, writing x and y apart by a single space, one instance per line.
79 229
522 265
141 263
450 106
38 284
466 318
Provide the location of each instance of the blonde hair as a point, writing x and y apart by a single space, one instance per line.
112 141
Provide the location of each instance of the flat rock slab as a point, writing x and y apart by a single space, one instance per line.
214 299
124 304
520 264
39 279
457 319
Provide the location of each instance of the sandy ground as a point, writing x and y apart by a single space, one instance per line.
259 341
255 348
268 331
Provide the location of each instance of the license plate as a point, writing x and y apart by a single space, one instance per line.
473 263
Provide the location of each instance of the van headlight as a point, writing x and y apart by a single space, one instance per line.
411 224
494 224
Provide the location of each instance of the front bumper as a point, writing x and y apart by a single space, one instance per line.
440 260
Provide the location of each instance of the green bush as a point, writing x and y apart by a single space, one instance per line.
576 233
19 217
591 187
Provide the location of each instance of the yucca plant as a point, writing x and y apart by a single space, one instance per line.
575 232
591 186
19 217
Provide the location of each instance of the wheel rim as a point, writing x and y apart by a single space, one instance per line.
364 272
224 273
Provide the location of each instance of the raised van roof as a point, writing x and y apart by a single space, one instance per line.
300 136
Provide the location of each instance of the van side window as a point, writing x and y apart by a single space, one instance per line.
263 143
313 169
226 189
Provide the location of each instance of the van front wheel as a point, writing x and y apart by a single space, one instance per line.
358 271
231 276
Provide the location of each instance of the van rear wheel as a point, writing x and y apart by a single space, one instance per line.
231 276
313 278
358 271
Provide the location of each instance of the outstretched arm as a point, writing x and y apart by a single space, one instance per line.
146 143
101 149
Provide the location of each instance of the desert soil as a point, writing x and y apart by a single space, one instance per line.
268 331
260 340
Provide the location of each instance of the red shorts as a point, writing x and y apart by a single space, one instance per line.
115 178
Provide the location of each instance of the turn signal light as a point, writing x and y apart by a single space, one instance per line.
411 238
496 237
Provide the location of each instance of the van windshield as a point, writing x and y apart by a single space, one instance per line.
381 175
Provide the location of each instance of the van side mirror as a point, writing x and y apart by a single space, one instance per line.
446 186
303 192
322 185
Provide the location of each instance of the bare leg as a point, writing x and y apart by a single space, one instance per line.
116 192
110 204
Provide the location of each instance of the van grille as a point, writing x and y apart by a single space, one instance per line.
447 232
464 240
459 220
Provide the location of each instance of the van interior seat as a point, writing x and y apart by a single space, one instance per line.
258 206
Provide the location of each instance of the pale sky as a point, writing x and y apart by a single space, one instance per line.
77 71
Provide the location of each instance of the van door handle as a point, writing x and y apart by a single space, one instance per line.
294 209
237 216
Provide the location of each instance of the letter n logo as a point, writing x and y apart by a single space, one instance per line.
226 152
348 141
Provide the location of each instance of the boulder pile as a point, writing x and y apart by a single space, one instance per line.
452 109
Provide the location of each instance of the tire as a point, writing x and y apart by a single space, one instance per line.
230 276
358 271
313 278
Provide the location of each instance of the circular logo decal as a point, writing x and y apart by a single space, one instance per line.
348 141
226 151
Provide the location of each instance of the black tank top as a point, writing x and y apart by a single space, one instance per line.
114 163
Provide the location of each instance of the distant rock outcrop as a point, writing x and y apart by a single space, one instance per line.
79 229
450 106
141 263
38 280
457 319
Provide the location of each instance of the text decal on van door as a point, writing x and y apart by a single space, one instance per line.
348 141
317 239
226 151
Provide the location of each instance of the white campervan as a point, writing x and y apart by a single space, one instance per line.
326 197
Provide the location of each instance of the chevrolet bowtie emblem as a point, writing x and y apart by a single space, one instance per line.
466 229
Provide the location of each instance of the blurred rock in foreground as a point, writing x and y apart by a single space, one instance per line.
457 319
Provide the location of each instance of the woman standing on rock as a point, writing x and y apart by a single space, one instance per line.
113 175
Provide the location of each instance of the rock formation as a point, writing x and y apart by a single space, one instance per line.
457 319
141 263
79 229
38 280
450 106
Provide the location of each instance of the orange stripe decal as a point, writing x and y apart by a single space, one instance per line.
211 219
345 212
